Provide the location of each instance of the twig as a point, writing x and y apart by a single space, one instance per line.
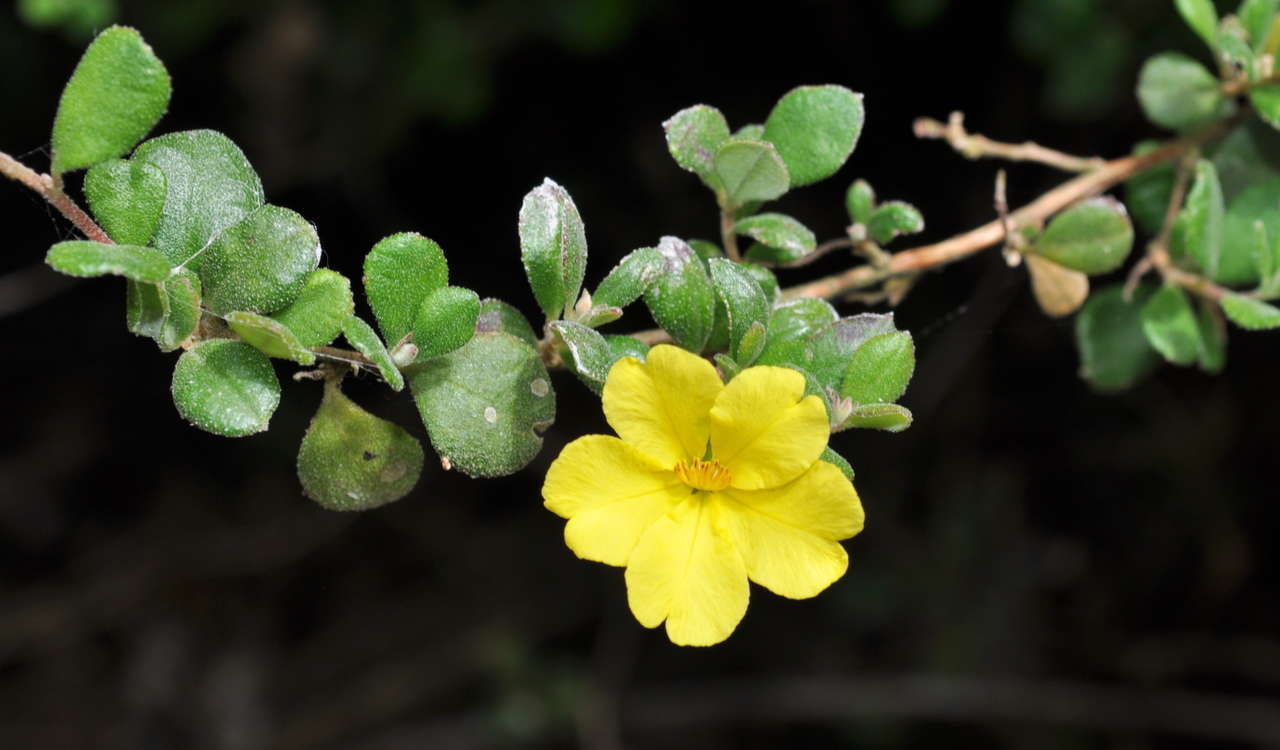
1205 715
44 185
728 237
822 249
975 146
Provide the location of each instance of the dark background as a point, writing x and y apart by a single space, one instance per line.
1043 567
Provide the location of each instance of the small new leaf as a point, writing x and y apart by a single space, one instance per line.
399 272
269 337
860 201
317 315
553 247
892 219
446 320
362 336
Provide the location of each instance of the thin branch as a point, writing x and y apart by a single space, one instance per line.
974 146
45 186
728 236
822 249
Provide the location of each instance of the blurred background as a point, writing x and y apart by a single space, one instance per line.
1043 567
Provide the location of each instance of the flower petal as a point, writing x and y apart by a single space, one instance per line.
788 535
764 430
610 494
686 571
660 406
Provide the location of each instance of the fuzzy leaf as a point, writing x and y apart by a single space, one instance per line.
87 259
1251 314
261 263
880 369
553 247
1179 93
446 320
1244 250
225 387
1093 236
682 300
887 417
209 185
362 336
1170 325
117 93
790 326
892 219
485 404
589 353
745 305
783 238
815 129
1114 353
765 278
126 198
860 201
352 460
1204 215
630 279
828 351
837 460
269 336
750 171
399 272
693 135
497 316
626 346
317 315
167 312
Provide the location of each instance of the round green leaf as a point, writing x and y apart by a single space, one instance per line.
362 336
352 460
693 135
117 93
632 277
765 278
399 272
815 129
1179 93
1114 353
225 387
1171 326
317 315
553 247
892 219
87 259
790 239
446 320
269 336
750 171
261 263
126 198
485 404
790 326
497 316
1093 236
209 185
682 300
880 369
827 352
860 201
1251 314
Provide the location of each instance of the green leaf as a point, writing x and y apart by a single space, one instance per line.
225 387
117 93
790 326
167 312
87 259
1114 352
1257 16
1205 218
880 369
362 336
706 249
399 272
497 316
1179 93
352 460
815 129
765 278
588 353
727 367
1093 236
626 346
1231 47
1148 193
887 417
1213 338
682 300
828 351
261 263
599 315
750 171
1244 249
1171 327
553 247
126 198
745 304
1249 154
751 132
785 238
1250 314
1266 102
209 185
485 404
446 321
693 135
269 337
838 461
631 278
317 315
892 219
860 201
1201 16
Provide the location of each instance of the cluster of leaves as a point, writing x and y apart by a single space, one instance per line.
1227 228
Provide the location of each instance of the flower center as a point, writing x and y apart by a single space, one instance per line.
703 475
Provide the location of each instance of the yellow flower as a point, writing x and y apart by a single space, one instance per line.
706 486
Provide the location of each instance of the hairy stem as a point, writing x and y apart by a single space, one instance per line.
51 191
728 237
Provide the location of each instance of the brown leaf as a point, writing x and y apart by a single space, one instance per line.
1059 290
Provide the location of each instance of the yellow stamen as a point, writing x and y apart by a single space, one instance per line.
703 475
